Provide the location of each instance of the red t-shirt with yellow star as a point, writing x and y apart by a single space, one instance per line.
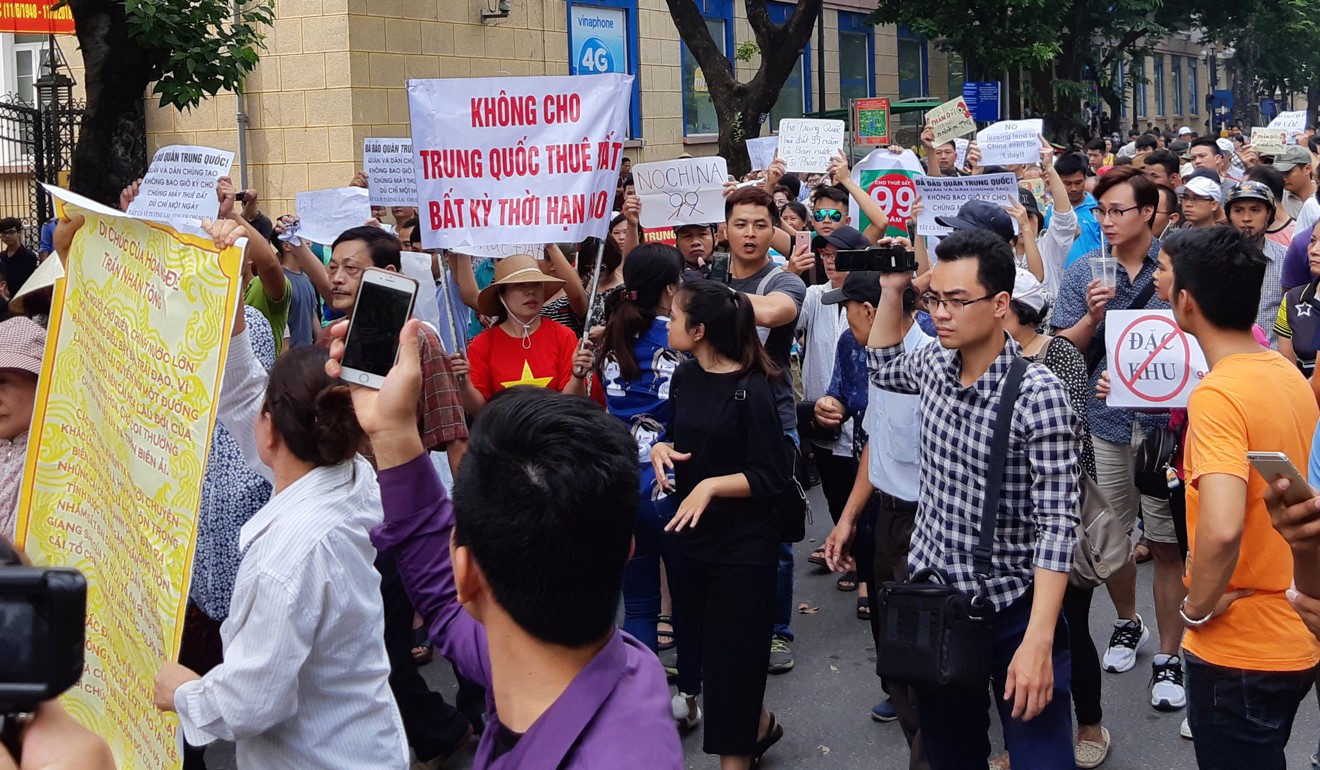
500 361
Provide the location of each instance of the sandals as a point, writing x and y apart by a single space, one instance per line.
817 558
664 639
863 608
422 651
772 736
1000 762
847 583
1141 554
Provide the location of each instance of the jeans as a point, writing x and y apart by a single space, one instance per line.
784 579
1242 718
641 576
955 722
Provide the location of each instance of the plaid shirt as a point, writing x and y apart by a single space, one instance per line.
1038 506
1271 289
1110 424
440 417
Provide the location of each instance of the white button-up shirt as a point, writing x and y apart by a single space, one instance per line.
893 432
305 681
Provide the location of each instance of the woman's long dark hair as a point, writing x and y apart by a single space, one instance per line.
730 324
586 259
650 269
312 412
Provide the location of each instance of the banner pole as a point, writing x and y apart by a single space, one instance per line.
592 298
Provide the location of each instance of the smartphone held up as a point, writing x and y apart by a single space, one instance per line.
384 304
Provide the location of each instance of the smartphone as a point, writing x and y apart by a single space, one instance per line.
801 240
718 267
384 304
1273 466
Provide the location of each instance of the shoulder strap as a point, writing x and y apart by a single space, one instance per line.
760 287
1143 297
740 396
998 458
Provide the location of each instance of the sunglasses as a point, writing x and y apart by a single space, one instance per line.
834 215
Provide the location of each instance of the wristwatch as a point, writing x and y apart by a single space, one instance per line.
1193 622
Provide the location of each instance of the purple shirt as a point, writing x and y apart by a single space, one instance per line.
1297 265
616 711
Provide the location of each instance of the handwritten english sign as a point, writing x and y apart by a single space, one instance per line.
1010 142
688 191
539 154
942 196
390 177
1152 362
950 120
808 144
179 187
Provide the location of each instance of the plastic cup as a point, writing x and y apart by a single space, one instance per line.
1105 270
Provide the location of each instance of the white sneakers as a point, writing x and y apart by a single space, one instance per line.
1166 683
1185 729
1128 637
687 712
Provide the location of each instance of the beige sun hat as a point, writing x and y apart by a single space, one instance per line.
517 268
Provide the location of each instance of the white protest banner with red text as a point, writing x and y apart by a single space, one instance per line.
535 158
1153 364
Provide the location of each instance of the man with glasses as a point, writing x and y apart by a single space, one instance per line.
1126 210
959 383
1201 198
18 260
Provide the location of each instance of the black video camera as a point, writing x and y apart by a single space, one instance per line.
42 618
893 258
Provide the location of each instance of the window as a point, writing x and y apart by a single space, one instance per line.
913 67
1176 63
1139 87
31 61
602 38
1158 77
698 110
856 58
957 75
795 97
1120 86
1193 95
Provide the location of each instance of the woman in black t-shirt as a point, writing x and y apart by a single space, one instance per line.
728 460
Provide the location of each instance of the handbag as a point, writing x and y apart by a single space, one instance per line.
790 506
1104 544
929 633
1152 461
810 430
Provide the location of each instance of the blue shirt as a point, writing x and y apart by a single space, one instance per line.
1088 236
643 404
1110 424
47 243
232 493
848 384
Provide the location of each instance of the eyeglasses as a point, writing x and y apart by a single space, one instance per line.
1116 213
951 305
834 215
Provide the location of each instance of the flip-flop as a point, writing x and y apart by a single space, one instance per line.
422 651
817 557
847 583
772 737
863 608
661 635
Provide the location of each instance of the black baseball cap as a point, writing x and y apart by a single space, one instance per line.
845 237
859 286
981 215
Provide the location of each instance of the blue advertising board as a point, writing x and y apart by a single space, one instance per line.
602 37
982 99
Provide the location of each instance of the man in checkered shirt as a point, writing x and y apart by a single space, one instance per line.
959 384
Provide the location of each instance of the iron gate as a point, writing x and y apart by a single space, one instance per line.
36 145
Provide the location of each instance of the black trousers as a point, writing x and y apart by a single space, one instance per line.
1085 657
727 614
433 727
837 475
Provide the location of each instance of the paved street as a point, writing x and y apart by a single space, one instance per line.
824 702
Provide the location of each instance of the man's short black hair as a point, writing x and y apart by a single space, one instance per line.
547 502
1147 140
793 183
11 223
996 266
1313 144
832 193
1133 134
1223 271
382 245
1169 202
1071 163
1165 159
1205 141
752 196
1269 176
1096 144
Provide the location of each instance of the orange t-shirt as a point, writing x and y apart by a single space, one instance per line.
1255 402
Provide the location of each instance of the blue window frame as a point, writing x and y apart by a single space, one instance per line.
913 64
1120 85
1139 86
795 96
1193 88
856 57
698 110
1176 64
602 38
1158 77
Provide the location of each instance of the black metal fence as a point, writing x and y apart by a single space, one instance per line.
36 145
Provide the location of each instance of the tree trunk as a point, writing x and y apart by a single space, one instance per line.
1313 102
112 143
